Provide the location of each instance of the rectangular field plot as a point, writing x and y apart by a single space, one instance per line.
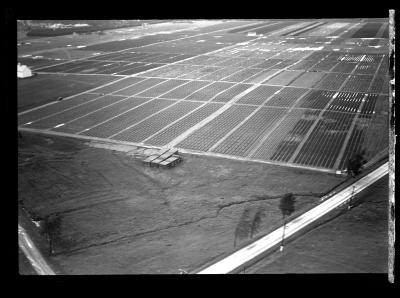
101 115
346 102
284 78
231 93
368 30
281 144
324 65
356 141
325 141
108 68
241 141
380 84
185 90
139 87
138 69
344 67
315 99
375 141
284 64
205 137
220 74
74 112
261 76
307 79
152 125
200 72
56 107
286 97
331 81
242 75
366 68
124 83
122 121
175 130
122 68
303 65
258 95
63 67
268 63
357 83
162 88
209 91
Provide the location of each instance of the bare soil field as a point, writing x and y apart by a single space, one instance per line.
115 215
39 90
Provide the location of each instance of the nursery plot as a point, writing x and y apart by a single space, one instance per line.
241 141
258 95
286 97
283 141
203 138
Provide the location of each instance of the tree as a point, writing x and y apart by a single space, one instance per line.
355 163
287 207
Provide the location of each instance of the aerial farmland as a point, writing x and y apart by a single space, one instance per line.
253 110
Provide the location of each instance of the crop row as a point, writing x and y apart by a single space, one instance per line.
101 115
185 90
242 75
357 83
75 112
55 108
325 141
315 99
124 83
162 88
283 141
167 135
206 136
241 141
286 97
258 95
139 87
209 91
155 123
128 118
229 94
346 102
332 81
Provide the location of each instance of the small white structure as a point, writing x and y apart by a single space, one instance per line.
23 71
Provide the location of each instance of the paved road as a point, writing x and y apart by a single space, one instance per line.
32 253
248 253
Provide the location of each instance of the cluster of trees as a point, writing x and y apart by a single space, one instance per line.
355 163
44 29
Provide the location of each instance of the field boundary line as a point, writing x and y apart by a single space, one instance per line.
136 74
258 144
91 112
191 152
172 123
348 134
108 119
242 122
350 131
114 52
310 130
68 97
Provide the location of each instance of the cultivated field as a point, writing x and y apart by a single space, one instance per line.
286 103
287 97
